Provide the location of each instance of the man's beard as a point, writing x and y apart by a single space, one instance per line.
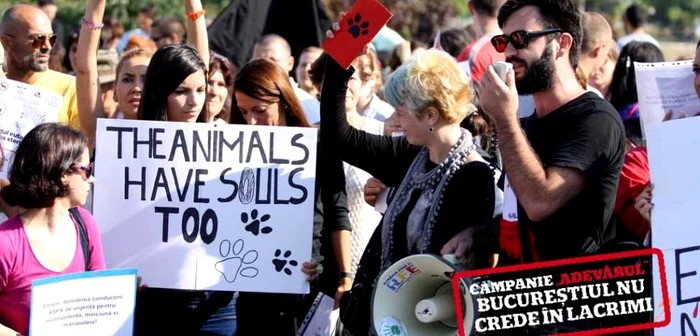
32 64
538 76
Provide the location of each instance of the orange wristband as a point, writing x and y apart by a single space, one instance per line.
195 15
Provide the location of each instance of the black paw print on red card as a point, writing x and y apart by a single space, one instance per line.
357 27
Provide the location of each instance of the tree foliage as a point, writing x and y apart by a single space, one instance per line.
70 11
414 19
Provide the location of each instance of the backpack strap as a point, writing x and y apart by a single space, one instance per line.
82 232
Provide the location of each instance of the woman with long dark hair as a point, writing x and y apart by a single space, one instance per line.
623 88
131 69
176 85
264 96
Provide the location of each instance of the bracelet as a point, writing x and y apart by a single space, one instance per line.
195 15
90 25
346 275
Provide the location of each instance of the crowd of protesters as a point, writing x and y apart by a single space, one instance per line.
555 147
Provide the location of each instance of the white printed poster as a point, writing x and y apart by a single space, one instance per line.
89 303
205 206
674 161
23 107
666 91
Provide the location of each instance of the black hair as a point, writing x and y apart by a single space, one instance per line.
633 131
487 7
623 87
635 16
45 154
453 41
561 14
149 11
72 39
170 26
42 3
168 68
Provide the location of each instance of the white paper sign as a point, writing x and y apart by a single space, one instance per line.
90 303
23 107
207 206
322 319
674 161
666 92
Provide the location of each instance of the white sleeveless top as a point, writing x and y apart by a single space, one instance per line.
363 217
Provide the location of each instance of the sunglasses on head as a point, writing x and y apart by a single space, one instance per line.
519 39
84 171
39 40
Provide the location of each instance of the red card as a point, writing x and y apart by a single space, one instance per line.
357 29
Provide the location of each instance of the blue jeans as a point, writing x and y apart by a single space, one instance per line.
221 323
175 312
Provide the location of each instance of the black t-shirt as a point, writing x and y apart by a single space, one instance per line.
585 134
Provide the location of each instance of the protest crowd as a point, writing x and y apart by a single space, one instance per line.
421 149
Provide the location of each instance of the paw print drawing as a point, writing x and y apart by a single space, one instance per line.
255 224
356 28
281 263
232 264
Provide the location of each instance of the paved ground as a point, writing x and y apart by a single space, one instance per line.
674 50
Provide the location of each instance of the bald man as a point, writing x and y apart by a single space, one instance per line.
276 48
597 37
27 38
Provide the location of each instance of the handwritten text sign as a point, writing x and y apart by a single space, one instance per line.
207 206
89 303
673 160
23 107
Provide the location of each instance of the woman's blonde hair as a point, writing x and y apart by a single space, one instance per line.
431 78
369 67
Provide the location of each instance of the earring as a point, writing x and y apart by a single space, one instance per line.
430 128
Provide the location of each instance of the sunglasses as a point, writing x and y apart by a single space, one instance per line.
84 171
39 40
519 39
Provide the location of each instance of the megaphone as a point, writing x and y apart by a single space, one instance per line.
414 297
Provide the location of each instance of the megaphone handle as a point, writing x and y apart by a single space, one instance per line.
452 258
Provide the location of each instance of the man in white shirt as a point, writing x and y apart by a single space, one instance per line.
277 49
634 19
597 36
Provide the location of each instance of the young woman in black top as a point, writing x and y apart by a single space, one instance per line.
444 184
264 96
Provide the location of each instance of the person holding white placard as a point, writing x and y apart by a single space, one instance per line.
623 89
50 177
264 96
173 87
28 38
634 196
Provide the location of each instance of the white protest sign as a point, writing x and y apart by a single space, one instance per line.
674 162
665 91
207 206
23 107
89 303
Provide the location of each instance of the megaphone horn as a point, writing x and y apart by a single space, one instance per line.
415 296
